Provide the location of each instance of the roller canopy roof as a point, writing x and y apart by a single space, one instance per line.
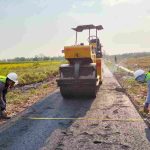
86 27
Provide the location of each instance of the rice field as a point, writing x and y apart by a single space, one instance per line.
31 72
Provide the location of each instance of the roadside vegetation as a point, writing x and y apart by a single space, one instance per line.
136 91
137 63
22 98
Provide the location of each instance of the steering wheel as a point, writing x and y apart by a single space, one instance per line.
91 37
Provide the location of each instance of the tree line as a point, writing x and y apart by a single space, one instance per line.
36 58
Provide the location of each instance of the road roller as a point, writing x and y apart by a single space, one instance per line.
82 75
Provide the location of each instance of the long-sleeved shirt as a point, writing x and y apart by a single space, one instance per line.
148 92
3 92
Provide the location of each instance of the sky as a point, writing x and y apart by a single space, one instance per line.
34 27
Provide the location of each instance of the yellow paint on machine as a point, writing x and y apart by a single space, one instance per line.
99 67
79 51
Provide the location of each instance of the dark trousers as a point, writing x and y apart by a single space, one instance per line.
3 100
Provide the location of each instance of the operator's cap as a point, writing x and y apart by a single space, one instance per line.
138 73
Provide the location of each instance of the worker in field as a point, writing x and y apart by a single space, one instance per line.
115 59
6 82
142 77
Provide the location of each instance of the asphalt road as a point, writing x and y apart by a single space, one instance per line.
22 133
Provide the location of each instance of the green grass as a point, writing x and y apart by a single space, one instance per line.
19 98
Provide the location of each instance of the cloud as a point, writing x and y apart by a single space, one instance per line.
88 3
117 2
139 38
84 3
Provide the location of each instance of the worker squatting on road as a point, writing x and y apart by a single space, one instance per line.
6 82
140 76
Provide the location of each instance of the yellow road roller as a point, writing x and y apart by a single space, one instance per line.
83 73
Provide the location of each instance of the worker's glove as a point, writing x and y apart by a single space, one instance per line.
146 110
3 115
